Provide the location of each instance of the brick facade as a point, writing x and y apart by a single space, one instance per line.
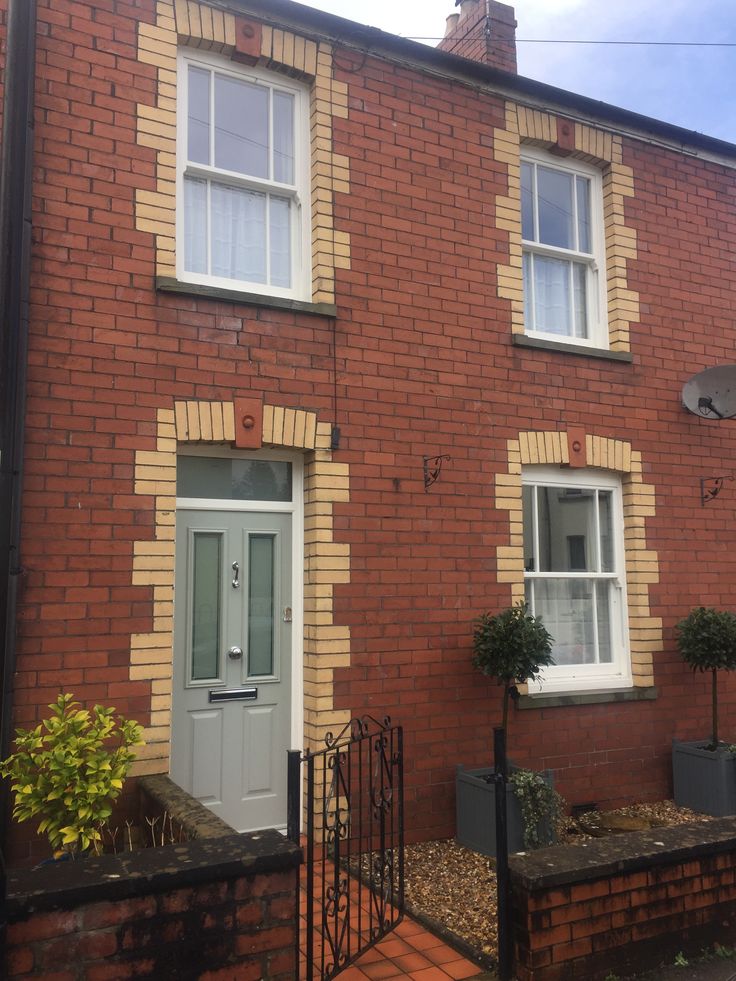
418 361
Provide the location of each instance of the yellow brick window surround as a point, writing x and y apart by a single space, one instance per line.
326 645
604 151
191 24
642 565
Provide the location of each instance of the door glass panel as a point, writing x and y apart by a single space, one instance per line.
206 592
221 478
260 604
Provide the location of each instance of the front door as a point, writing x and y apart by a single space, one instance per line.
231 723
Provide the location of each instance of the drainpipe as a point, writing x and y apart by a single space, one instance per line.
15 256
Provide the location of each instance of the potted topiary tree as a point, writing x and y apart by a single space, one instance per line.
511 646
704 772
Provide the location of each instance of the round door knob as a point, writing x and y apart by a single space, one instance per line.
235 653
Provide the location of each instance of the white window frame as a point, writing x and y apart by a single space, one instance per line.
595 262
587 677
299 194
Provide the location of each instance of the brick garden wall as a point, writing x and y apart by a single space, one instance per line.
425 365
625 904
219 909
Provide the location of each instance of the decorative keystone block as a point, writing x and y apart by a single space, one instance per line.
248 423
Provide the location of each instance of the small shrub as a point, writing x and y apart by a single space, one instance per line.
541 807
69 770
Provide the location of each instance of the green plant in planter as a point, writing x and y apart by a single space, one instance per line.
707 641
69 770
541 807
511 646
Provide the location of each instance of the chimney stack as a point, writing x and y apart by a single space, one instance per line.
485 31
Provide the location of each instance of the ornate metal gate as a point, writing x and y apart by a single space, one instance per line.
353 879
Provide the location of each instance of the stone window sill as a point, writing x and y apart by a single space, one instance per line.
542 344
165 284
565 700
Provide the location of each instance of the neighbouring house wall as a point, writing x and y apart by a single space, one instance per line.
416 360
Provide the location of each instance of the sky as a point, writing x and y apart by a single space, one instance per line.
693 87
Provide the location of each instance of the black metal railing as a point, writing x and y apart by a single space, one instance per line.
353 878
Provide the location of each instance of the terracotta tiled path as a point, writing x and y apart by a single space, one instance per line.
409 951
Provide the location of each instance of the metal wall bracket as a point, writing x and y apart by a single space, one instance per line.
433 468
711 487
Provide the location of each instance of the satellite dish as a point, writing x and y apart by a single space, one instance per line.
711 394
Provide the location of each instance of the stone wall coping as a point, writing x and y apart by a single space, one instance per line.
66 885
565 865
197 820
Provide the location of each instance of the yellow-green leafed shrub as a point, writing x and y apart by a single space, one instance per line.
69 770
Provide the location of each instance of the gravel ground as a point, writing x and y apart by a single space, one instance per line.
457 887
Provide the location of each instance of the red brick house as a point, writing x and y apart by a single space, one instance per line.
284 271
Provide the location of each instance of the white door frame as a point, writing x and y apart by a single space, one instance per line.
295 507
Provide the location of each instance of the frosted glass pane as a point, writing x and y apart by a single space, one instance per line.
582 185
527 202
567 611
220 478
283 137
195 225
579 279
280 210
260 605
238 234
564 514
241 127
551 295
554 203
198 128
205 624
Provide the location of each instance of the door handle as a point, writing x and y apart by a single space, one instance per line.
236 575
235 653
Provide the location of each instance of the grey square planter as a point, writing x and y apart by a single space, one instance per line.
704 780
475 802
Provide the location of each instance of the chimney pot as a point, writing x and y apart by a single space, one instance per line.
451 24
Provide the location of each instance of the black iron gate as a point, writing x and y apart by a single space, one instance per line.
353 877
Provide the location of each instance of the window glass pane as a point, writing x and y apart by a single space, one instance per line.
567 611
528 261
527 497
198 127
554 201
604 594
195 225
241 126
279 211
605 511
582 185
205 625
551 295
564 513
260 604
221 478
238 234
283 137
527 202
579 278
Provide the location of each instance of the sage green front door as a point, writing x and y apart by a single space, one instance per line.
231 722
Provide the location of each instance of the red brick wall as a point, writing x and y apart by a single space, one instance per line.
425 365
624 923
241 929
